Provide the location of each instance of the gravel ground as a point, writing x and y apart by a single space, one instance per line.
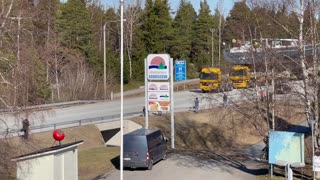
187 168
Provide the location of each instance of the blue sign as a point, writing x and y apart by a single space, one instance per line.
180 70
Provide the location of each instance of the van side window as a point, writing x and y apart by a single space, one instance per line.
154 139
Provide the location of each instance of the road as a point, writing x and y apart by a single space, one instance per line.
184 167
183 100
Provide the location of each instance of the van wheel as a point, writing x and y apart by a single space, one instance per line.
150 165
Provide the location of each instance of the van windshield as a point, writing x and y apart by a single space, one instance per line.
134 143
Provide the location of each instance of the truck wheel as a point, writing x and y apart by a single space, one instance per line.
203 91
150 164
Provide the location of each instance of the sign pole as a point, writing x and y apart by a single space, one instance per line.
172 103
314 172
146 94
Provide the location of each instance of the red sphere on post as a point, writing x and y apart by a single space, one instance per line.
58 135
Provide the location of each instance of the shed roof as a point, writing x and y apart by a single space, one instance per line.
47 151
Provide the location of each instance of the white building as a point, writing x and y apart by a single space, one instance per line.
53 163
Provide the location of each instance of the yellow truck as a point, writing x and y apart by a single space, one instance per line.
211 80
240 76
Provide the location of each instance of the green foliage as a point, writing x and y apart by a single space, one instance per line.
202 35
138 55
56 37
157 27
183 29
39 91
6 61
44 19
237 22
75 29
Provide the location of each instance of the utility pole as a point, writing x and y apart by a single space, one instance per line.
121 90
219 37
212 52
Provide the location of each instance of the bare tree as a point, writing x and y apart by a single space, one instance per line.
132 14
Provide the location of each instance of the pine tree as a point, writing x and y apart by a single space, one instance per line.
157 26
75 29
238 23
202 36
183 29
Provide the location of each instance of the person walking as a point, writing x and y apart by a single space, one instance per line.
263 96
225 100
25 128
144 111
196 105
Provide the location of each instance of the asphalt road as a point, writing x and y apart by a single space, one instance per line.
183 167
183 101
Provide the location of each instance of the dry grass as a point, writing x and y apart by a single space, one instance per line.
96 161
94 157
89 134
220 128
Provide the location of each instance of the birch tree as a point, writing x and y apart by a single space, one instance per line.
133 17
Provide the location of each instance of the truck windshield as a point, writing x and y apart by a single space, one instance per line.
212 76
240 72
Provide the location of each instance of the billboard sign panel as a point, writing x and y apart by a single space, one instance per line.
158 106
180 70
158 66
158 96
158 86
286 147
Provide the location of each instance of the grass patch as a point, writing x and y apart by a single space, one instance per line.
95 161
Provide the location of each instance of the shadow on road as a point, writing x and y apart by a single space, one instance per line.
196 90
225 162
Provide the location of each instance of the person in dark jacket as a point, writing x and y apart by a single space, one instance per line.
144 111
25 128
225 100
196 105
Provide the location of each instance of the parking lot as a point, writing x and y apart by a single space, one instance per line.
183 167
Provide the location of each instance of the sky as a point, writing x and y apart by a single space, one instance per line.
174 4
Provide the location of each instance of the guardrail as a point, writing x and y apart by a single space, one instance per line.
69 124
51 105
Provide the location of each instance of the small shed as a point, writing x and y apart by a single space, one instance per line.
53 163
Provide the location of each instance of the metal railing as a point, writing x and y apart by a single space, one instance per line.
70 124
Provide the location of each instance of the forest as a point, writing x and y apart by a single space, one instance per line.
52 51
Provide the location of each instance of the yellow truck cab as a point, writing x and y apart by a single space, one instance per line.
211 80
240 76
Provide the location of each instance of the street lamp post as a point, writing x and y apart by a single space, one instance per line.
104 57
121 91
